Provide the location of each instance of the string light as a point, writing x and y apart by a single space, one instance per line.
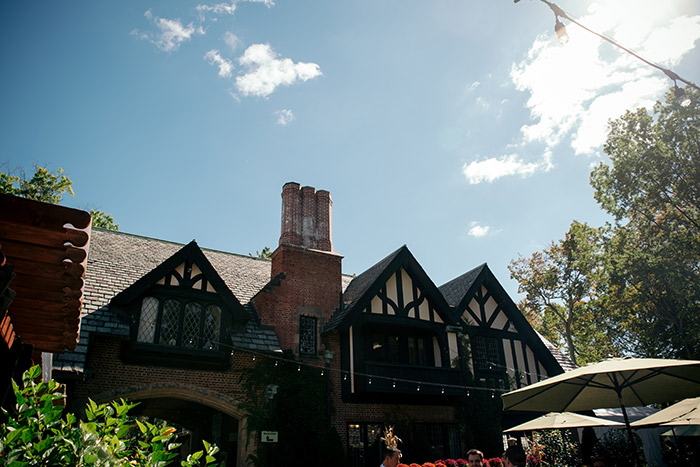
370 378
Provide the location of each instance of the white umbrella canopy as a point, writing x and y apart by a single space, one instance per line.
685 412
617 382
556 420
611 383
676 432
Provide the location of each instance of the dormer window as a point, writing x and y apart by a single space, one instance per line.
181 314
179 323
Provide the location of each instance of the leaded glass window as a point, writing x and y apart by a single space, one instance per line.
190 324
147 322
307 335
169 322
212 324
486 353
177 322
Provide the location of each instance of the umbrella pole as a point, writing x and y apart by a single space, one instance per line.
633 445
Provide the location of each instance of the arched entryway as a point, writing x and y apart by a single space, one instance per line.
199 414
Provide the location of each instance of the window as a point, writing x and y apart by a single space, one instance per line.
408 346
443 439
179 323
487 354
307 335
364 445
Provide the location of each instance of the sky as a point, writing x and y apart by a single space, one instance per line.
462 129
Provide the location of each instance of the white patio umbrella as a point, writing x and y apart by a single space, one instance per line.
685 412
556 420
617 382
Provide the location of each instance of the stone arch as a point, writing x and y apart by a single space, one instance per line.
190 393
198 394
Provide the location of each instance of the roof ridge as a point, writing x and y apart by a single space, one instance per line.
213 250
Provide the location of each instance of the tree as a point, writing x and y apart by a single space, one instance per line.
652 189
266 253
38 433
43 186
49 188
561 283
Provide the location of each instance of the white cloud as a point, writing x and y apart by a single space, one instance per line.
231 40
477 230
267 71
219 8
225 66
576 88
492 169
284 116
171 32
267 3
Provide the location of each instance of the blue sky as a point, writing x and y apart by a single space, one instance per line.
462 129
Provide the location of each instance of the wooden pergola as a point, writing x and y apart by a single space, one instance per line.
43 253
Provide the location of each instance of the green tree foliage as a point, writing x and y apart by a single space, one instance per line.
561 284
103 220
652 188
266 253
49 188
43 186
38 433
291 399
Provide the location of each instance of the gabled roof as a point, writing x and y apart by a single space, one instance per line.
460 291
193 255
365 286
118 260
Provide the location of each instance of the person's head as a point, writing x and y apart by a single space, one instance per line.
598 463
515 456
475 458
391 457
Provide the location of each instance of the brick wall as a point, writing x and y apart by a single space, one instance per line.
311 286
346 413
108 374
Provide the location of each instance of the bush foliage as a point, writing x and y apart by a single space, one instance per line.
38 433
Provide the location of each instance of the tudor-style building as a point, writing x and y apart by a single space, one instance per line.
173 326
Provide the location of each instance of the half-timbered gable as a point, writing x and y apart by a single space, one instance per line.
393 331
180 313
504 348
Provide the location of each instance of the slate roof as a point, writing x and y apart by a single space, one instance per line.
118 259
563 360
456 289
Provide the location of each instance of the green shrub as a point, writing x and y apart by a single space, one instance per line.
37 433
558 448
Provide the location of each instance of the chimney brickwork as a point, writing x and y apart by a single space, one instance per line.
310 271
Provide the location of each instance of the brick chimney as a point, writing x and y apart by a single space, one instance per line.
306 272
306 217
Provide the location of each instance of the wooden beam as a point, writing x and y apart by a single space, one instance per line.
42 254
49 270
44 215
46 237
